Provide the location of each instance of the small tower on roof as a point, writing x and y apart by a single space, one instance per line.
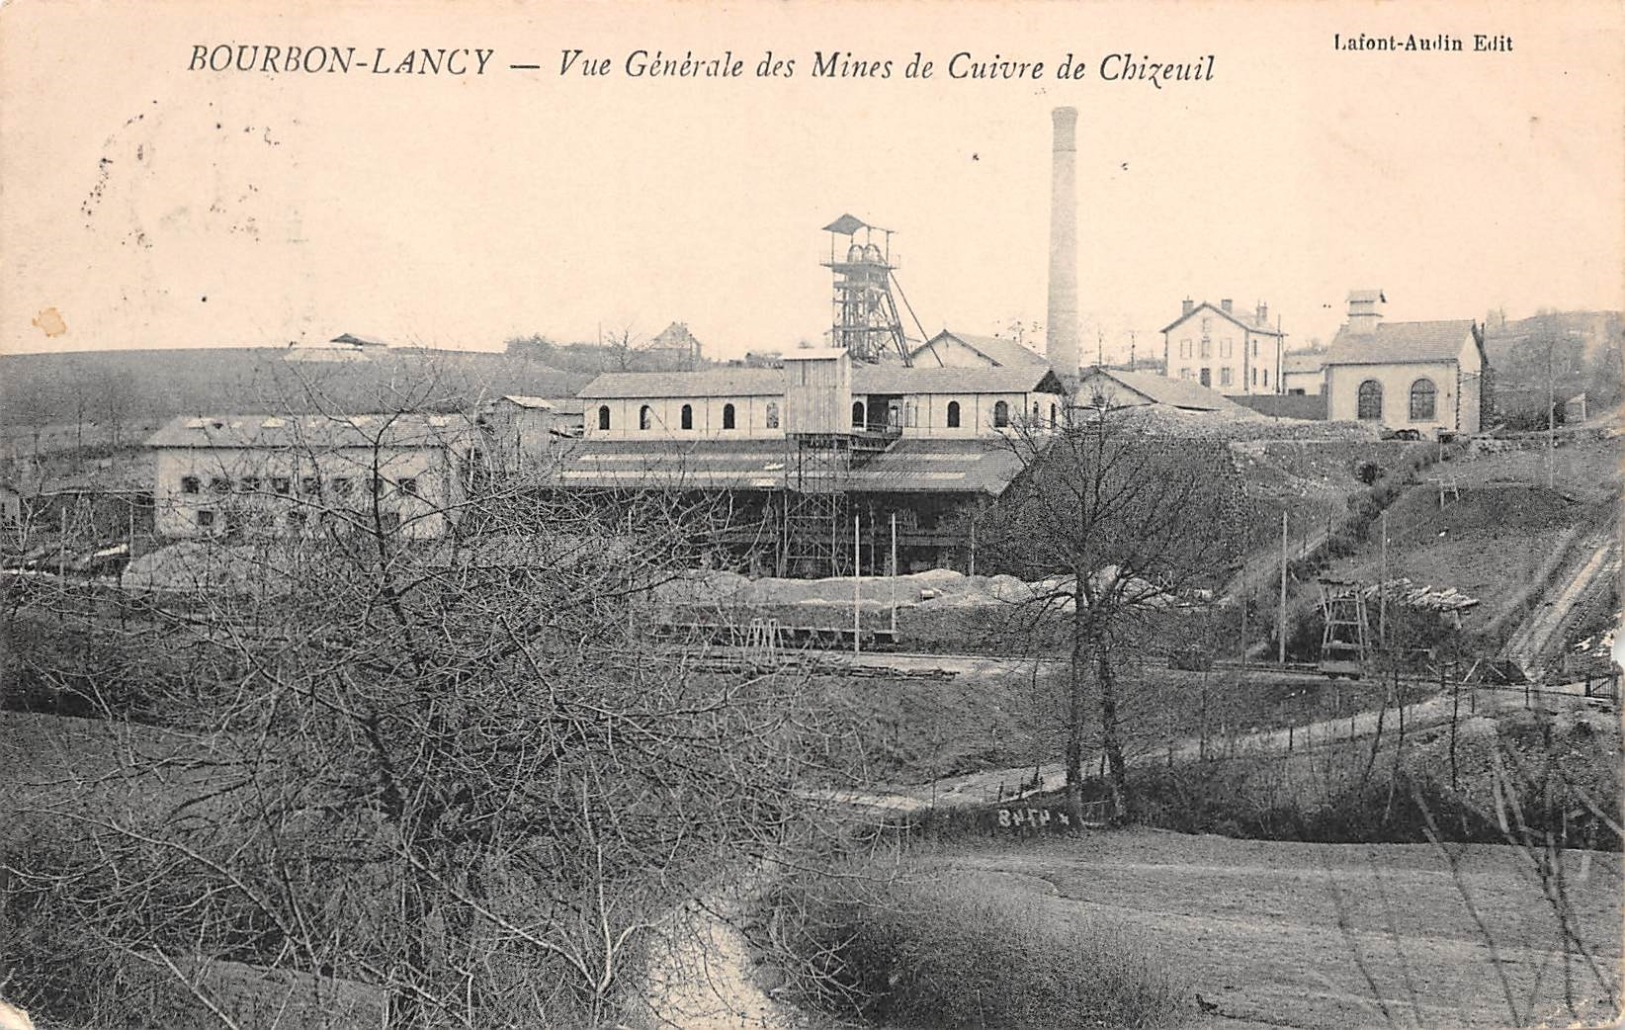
865 324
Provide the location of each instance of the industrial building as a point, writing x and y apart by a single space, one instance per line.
289 476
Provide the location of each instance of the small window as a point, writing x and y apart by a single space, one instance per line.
687 417
1266 378
280 486
1184 373
1255 376
728 416
248 485
220 485
857 414
1368 404
1224 376
1207 349
1207 325
646 418
205 518
310 485
1207 377
190 485
341 487
1255 348
407 486
953 414
772 414
1224 348
1424 399
1001 414
603 418
1037 415
1185 348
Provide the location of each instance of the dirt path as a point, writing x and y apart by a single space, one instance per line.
702 974
1289 934
1534 638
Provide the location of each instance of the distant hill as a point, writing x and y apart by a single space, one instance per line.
140 387
1584 348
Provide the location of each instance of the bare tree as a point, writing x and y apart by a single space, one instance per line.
1112 526
453 768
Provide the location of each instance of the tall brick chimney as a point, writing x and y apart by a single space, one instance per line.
1062 333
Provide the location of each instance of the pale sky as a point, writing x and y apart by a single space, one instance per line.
155 207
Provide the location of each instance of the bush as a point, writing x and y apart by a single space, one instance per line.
923 947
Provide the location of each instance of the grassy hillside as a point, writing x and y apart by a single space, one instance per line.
111 396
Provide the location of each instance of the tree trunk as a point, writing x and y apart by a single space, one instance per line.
1111 733
1077 710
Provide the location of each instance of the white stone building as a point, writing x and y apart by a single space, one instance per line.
1425 377
1219 348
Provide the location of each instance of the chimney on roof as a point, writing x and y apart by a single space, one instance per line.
1189 306
1365 311
1263 314
1062 335
1224 303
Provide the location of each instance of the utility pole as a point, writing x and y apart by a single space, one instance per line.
893 571
1281 657
1382 589
1131 350
1551 414
857 587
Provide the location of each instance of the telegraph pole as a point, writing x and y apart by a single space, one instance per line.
1382 589
1281 635
1551 414
857 587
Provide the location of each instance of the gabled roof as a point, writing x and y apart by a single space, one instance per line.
974 465
1433 341
1302 362
527 401
1233 317
356 339
746 382
846 225
1166 391
996 350
730 381
270 431
953 380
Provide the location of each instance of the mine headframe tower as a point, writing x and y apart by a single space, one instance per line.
866 324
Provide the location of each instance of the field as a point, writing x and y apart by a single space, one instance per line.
1310 935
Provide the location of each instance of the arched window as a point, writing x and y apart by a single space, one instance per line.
645 418
603 418
728 416
1054 415
772 414
1424 397
857 414
688 417
1001 413
1369 405
953 414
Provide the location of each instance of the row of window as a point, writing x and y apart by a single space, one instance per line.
251 485
1204 348
294 521
1424 400
1225 376
646 416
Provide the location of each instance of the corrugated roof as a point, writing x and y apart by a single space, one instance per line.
975 465
528 401
1427 342
273 431
1167 391
734 382
952 380
741 382
998 351
1302 362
